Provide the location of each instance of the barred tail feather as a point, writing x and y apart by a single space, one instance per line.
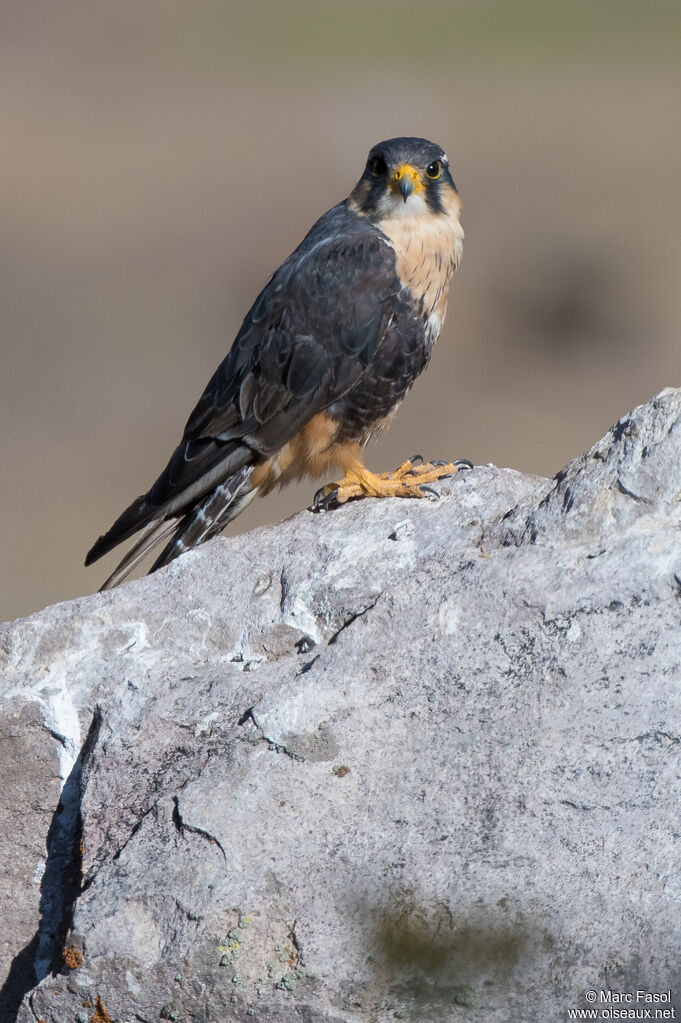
210 516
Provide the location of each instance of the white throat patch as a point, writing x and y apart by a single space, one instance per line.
394 206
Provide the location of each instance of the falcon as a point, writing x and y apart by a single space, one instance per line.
326 354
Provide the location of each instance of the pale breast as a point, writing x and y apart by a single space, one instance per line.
428 249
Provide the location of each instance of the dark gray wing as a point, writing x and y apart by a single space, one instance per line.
310 335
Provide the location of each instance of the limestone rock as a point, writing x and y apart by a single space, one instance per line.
404 760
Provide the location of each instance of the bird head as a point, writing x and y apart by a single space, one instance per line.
404 177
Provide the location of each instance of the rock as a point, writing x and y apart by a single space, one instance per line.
29 792
404 760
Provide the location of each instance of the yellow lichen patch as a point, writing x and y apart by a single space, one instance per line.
73 957
101 1015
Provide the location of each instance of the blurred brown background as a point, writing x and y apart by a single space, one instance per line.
160 159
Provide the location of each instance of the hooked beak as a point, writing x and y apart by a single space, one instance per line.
407 179
406 187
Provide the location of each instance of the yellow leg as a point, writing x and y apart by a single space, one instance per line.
411 479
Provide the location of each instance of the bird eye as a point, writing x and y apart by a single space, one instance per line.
433 169
377 165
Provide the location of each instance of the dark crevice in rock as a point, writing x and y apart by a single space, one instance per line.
20 979
308 664
629 493
624 427
283 589
61 739
177 818
62 879
249 716
179 783
120 849
246 717
278 748
182 826
187 913
654 736
353 618
59 889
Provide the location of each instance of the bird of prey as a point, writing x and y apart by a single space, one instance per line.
330 347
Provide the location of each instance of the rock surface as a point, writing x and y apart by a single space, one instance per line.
404 760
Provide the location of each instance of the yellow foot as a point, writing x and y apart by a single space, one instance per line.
412 479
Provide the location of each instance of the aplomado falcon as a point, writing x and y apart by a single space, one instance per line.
330 347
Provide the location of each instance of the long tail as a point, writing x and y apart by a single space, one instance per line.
203 520
209 517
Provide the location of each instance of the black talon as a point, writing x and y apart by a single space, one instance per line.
425 489
329 499
439 461
322 501
416 460
464 463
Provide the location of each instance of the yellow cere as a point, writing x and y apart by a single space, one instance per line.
407 170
